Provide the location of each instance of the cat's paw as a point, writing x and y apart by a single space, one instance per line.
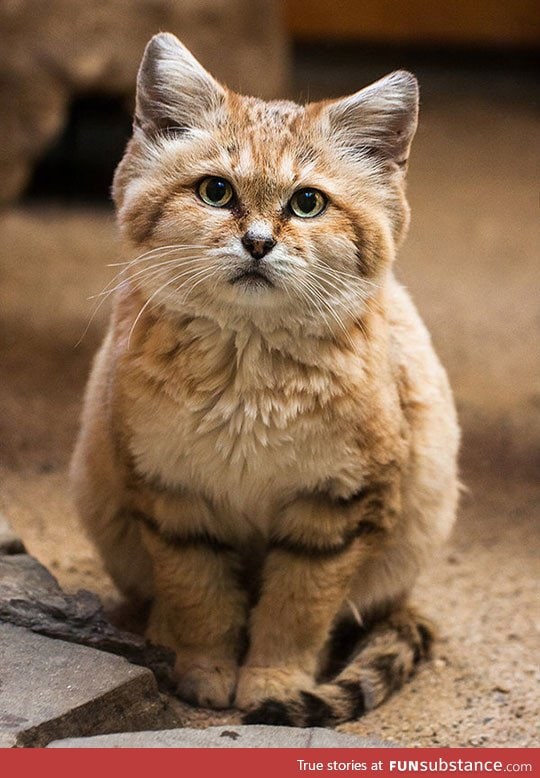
208 685
256 684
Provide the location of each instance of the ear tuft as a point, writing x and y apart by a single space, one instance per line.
174 91
379 120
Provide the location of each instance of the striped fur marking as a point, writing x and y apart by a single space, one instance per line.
190 540
324 551
380 666
269 712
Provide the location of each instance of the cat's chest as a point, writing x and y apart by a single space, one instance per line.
248 434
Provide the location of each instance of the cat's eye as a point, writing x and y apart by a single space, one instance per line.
307 203
215 191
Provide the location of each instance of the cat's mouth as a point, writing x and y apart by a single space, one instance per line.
252 278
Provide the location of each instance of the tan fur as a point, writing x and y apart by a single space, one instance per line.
303 430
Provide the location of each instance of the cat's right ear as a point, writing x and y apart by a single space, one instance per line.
174 92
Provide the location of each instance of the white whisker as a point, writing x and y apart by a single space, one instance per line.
333 314
160 289
369 302
107 291
104 297
179 246
351 276
146 257
335 275
209 272
204 278
146 270
145 306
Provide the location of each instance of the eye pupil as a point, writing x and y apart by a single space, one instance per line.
215 191
307 203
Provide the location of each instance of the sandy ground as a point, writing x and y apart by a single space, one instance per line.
471 265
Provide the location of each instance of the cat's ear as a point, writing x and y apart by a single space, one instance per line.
380 120
174 91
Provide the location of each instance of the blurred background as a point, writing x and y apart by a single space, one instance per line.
67 76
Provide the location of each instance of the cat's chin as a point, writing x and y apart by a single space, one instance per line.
250 281
247 290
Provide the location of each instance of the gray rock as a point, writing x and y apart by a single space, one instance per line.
225 737
10 543
327 738
7 740
30 597
51 689
22 577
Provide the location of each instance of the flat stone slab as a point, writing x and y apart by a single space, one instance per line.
30 597
245 736
50 689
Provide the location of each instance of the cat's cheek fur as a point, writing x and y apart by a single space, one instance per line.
271 468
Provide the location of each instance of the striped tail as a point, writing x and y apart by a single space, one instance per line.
383 660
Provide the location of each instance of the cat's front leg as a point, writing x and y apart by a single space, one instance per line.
315 550
199 611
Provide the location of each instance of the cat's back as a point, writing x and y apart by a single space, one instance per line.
420 374
428 407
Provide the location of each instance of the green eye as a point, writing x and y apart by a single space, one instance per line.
215 191
307 203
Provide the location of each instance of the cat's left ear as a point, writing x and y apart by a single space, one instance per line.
378 121
174 91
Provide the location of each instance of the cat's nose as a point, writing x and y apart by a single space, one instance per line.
257 245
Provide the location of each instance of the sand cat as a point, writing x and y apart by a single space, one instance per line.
268 442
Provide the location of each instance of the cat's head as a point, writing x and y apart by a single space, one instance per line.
262 209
